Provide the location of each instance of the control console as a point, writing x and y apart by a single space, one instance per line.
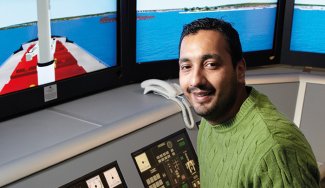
170 162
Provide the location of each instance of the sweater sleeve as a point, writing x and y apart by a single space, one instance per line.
283 167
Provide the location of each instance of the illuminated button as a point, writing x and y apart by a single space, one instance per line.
185 185
157 176
181 144
169 144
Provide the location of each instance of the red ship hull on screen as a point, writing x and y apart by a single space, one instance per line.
69 60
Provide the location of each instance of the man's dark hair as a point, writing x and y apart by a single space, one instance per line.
230 34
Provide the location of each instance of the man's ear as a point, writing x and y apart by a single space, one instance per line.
241 70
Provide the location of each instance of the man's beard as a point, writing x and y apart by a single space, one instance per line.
221 107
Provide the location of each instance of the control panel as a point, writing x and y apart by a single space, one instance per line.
170 162
159 155
108 176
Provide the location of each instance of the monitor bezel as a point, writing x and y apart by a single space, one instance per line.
32 99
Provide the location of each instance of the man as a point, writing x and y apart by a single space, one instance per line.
243 141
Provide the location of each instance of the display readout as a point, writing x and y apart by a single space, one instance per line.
108 176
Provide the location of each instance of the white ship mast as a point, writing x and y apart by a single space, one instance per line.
45 65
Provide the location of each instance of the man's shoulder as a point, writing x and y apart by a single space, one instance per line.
270 117
283 131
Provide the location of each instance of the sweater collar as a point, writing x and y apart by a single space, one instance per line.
244 109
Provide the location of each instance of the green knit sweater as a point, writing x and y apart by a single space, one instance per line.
259 147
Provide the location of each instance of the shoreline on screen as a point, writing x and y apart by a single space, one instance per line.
230 7
309 7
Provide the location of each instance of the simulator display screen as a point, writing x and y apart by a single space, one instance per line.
160 22
82 39
308 26
170 162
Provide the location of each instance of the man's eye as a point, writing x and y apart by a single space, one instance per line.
211 65
185 67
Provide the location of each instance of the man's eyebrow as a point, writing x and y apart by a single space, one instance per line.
203 58
210 56
184 59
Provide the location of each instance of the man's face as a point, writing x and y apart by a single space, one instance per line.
206 74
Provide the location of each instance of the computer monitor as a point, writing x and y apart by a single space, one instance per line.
158 25
56 50
305 25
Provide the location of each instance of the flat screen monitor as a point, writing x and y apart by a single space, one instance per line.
304 42
159 24
308 26
51 50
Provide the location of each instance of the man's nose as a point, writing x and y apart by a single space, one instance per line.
197 77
